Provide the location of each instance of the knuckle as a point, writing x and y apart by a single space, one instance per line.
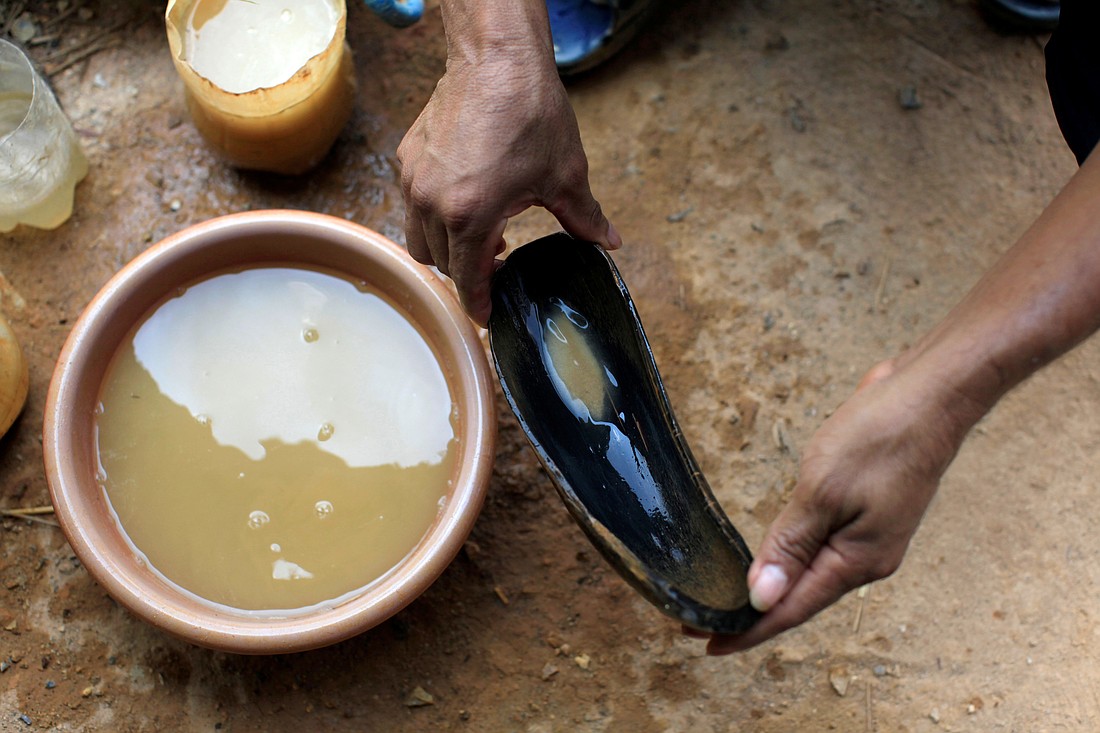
406 183
829 499
574 174
795 545
885 564
577 167
418 194
595 214
458 210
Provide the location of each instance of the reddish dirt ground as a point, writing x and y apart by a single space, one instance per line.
788 223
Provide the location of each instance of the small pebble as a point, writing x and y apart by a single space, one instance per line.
26 720
679 216
908 99
934 715
777 42
583 661
176 205
50 684
880 670
798 124
24 29
418 698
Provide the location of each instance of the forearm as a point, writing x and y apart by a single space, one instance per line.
485 30
1040 300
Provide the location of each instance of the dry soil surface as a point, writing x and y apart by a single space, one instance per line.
789 222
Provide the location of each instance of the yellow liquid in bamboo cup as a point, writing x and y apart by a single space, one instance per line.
268 83
242 45
275 438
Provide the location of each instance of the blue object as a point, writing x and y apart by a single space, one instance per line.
579 28
588 32
398 13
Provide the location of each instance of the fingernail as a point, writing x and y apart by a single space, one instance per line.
769 587
614 241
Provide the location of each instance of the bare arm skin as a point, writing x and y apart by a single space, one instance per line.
497 136
870 471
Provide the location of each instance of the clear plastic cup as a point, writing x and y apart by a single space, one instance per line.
40 159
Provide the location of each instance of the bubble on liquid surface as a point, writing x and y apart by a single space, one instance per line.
325 432
203 419
276 547
322 509
258 519
287 15
310 335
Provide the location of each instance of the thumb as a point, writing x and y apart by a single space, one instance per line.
793 541
580 214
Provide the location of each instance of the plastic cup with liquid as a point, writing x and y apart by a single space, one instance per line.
40 159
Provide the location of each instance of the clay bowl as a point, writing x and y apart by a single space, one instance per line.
282 237
578 371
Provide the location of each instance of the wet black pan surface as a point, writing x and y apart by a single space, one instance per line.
577 370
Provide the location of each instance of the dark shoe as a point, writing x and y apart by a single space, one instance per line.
1022 15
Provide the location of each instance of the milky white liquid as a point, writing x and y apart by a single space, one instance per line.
275 438
242 45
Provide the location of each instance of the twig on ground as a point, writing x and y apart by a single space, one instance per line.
91 40
27 511
62 59
881 285
31 514
63 15
86 53
16 11
862 594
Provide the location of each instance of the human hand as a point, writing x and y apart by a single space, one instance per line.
496 137
867 477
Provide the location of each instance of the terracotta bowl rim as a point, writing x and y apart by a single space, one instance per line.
75 496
